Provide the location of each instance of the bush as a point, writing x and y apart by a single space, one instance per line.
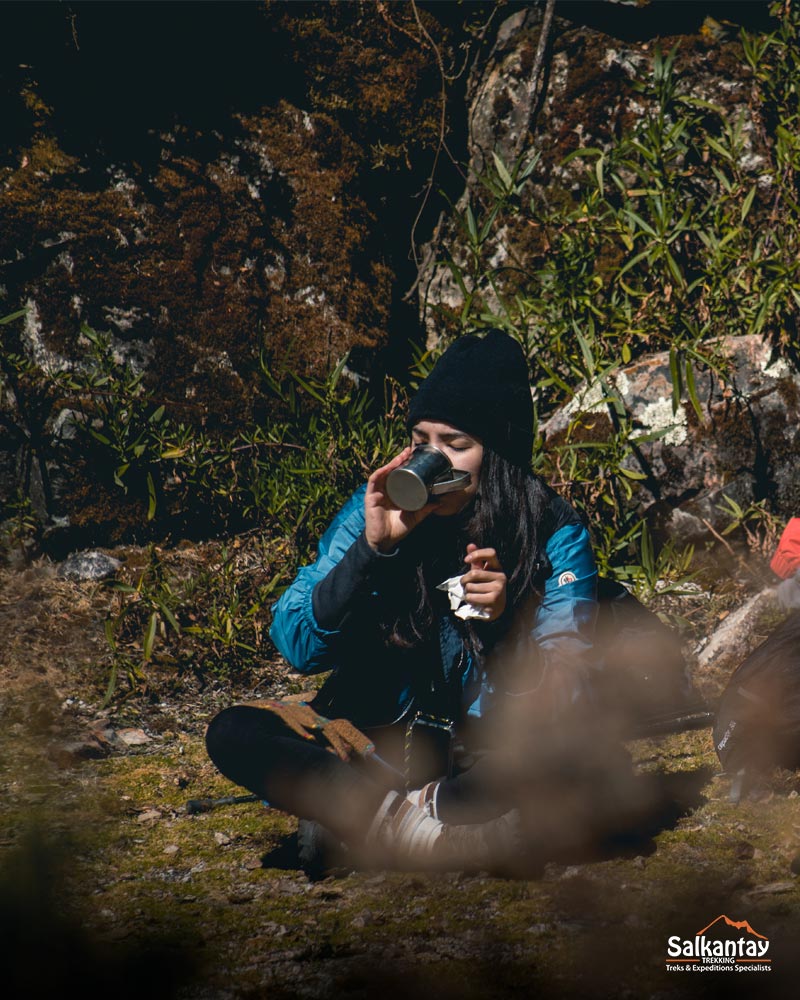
669 245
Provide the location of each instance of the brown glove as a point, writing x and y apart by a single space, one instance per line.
341 735
344 738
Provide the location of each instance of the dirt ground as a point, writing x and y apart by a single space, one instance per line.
110 886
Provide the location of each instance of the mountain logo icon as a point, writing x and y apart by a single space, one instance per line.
735 924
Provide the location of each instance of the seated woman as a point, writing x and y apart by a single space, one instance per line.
501 685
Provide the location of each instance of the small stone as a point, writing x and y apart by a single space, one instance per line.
323 891
133 737
270 930
222 839
239 896
103 733
291 888
148 816
772 889
91 565
171 849
744 851
364 919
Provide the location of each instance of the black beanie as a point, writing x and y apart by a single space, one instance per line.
480 385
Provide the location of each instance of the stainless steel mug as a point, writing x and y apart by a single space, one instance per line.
427 473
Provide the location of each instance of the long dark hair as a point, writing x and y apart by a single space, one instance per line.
509 514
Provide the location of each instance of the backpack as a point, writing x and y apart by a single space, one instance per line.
645 679
757 724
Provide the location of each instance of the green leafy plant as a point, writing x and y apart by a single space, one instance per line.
282 480
142 614
209 621
120 416
658 251
667 570
227 614
759 526
19 524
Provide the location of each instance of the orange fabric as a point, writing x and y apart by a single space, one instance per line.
787 555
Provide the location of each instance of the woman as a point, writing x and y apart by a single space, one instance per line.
375 610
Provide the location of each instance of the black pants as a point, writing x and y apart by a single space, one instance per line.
254 748
569 790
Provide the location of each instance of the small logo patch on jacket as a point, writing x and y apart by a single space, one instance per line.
567 577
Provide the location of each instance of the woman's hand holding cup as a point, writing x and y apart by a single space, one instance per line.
386 524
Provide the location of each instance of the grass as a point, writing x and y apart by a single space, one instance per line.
132 869
103 871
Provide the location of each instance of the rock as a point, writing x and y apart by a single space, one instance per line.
744 447
324 890
248 224
133 737
585 97
89 565
272 929
735 638
240 896
743 443
149 816
364 919
771 889
539 929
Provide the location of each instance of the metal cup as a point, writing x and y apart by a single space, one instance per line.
427 473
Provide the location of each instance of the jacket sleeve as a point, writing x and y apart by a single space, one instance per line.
310 616
563 627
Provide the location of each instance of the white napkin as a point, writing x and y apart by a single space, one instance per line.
462 608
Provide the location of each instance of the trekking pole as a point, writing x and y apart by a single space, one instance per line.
194 806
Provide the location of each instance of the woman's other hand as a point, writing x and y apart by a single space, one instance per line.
485 584
385 524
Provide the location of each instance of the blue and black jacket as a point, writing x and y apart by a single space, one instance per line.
328 620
